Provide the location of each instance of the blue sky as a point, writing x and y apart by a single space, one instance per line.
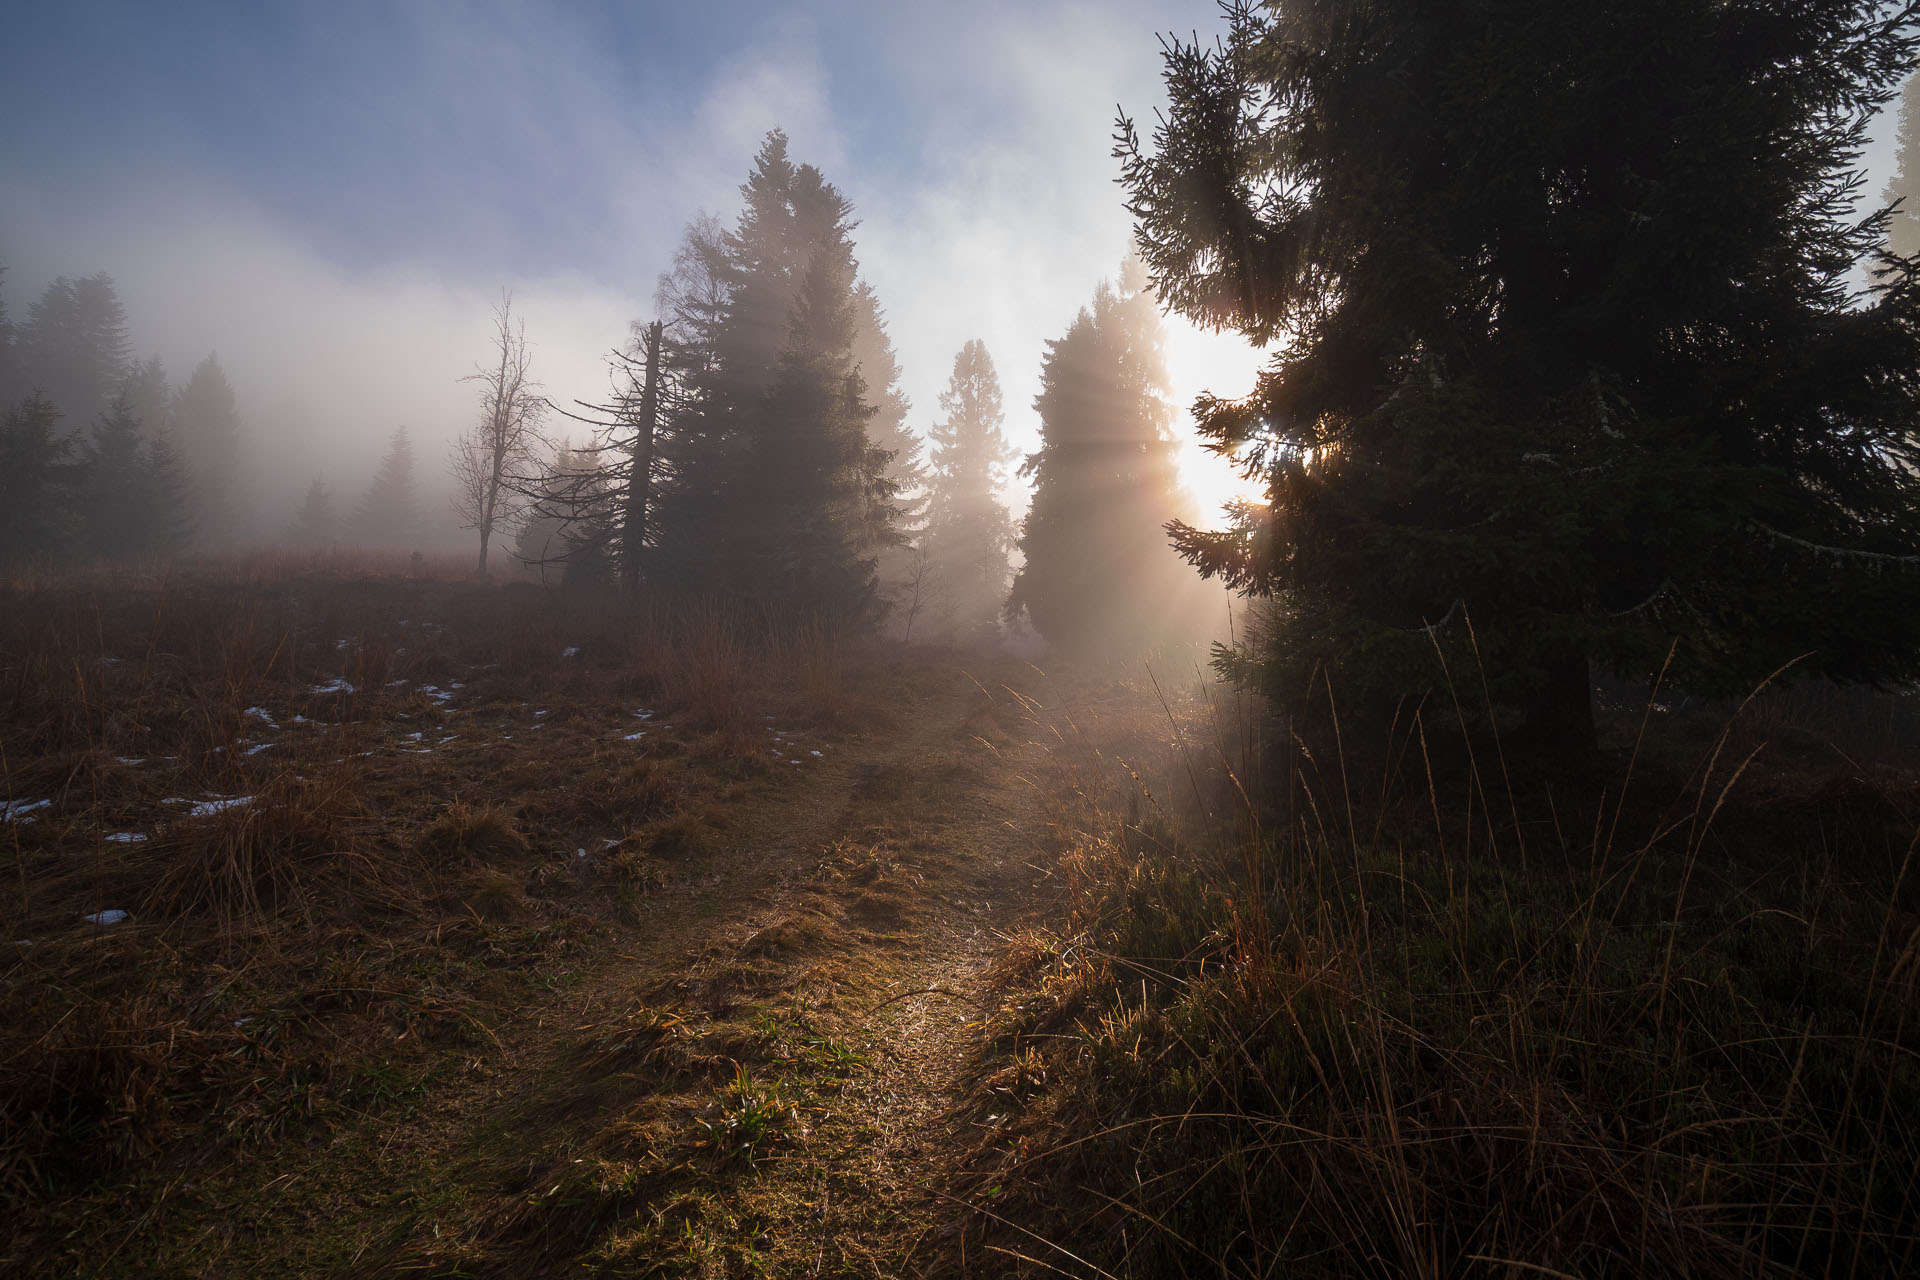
334 194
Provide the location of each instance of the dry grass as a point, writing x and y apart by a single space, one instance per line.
1402 1018
351 814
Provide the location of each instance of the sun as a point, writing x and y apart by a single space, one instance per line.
1226 365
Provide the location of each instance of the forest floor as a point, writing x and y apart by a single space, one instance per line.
665 961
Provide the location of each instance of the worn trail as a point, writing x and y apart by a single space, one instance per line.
758 1077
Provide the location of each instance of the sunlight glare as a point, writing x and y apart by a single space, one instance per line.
1226 365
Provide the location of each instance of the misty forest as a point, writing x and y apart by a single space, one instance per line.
909 673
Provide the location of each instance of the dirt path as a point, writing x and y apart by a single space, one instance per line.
758 1080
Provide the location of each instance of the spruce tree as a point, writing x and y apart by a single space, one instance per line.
116 502
38 479
969 533
1569 344
148 394
73 347
1098 570
315 522
905 470
388 513
10 389
169 495
206 427
771 486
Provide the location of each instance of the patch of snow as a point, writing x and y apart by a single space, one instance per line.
449 738
635 737
126 837
414 736
335 685
258 748
538 714
395 684
130 761
113 916
816 753
645 713
16 810
207 808
260 713
579 853
455 684
571 651
241 1022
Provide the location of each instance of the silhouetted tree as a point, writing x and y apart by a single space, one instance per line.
388 513
905 471
568 530
1572 349
38 477
206 427
1098 568
771 486
1903 230
148 394
116 505
169 487
969 533
11 390
73 347
499 448
315 522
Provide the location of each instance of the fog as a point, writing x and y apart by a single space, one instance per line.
342 249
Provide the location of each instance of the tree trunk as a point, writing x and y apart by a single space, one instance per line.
634 533
481 570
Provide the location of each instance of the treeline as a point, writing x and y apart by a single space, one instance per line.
101 455
104 457
757 446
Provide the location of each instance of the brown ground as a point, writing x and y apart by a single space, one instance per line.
725 1040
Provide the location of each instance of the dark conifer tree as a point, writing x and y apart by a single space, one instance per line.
905 471
388 513
771 486
206 427
569 515
1572 348
969 533
315 522
38 479
148 394
73 347
116 506
1098 568
169 494
11 390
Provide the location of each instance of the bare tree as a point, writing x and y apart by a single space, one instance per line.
501 445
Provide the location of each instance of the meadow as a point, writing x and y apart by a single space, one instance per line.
372 920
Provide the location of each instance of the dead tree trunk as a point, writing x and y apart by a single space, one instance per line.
641 477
